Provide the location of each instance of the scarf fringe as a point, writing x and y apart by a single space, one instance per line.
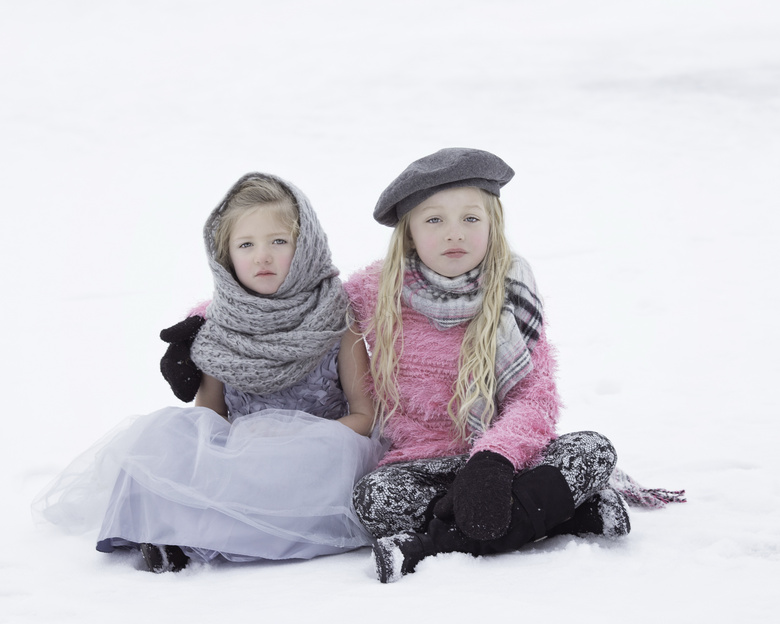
647 498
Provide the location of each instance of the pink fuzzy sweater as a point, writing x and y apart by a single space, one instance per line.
428 369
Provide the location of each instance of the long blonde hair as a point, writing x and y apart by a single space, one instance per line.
477 360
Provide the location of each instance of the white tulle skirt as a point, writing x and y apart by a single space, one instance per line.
272 485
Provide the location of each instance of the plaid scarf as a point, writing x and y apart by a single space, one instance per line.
448 302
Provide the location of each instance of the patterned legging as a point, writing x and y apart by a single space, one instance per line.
400 497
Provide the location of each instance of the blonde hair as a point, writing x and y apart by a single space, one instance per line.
476 380
254 193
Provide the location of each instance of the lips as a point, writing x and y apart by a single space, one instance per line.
455 253
264 273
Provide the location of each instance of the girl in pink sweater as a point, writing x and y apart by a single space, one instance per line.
464 377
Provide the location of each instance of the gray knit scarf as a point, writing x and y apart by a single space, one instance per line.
448 302
263 344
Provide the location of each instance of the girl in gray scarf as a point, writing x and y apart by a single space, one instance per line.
264 465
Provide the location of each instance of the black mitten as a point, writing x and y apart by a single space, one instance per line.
480 498
176 366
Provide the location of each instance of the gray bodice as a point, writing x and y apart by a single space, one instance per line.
319 394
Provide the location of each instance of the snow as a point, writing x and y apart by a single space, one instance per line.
646 140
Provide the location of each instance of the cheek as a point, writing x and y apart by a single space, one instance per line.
287 258
418 240
480 244
240 262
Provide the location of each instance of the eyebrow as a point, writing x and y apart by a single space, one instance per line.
279 234
467 207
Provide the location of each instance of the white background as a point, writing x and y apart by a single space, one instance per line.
644 135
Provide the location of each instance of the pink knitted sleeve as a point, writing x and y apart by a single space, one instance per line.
528 415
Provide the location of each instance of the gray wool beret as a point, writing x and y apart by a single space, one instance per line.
447 168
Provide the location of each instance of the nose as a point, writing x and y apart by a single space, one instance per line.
263 256
455 232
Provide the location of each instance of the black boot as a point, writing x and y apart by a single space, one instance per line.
398 555
153 557
541 500
605 513
164 558
177 560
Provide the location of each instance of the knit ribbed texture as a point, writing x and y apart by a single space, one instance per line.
260 343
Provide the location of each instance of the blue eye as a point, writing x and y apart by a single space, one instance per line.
279 241
434 220
244 245
472 219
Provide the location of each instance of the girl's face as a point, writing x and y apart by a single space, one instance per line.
261 249
450 230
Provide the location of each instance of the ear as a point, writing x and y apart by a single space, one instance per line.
408 240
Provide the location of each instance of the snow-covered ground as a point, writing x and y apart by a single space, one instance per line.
644 135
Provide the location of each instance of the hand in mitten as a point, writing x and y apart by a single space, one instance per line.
480 498
176 366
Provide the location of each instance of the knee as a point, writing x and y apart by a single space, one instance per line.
388 501
594 445
584 444
361 495
600 446
372 501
